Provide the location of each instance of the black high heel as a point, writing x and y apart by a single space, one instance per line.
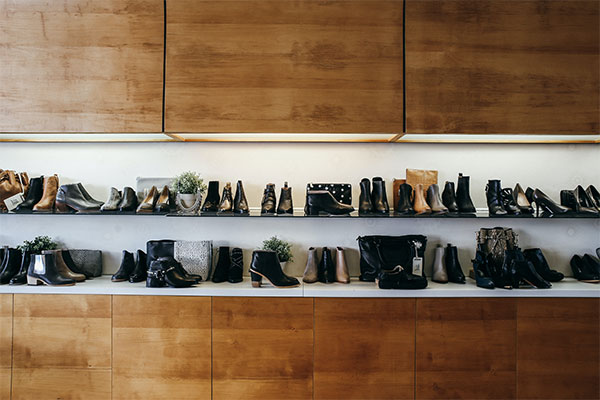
594 195
583 203
527 272
536 257
549 207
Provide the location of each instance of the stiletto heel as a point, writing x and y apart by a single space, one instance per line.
256 279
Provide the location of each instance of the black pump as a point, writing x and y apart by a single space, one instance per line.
493 193
455 273
285 200
326 269
265 264
364 201
211 204
379 197
34 195
405 195
240 204
549 207
449 197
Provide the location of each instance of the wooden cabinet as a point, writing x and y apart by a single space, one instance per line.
284 66
502 66
161 347
559 349
364 348
81 66
262 348
61 347
6 328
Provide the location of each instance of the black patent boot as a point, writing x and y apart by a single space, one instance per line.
141 267
269 201
211 203
21 277
223 265
405 203
42 270
536 257
34 195
364 201
508 202
449 197
463 196
126 268
494 200
10 265
321 201
453 268
265 264
379 197
527 272
226 204
240 204
237 266
326 270
285 200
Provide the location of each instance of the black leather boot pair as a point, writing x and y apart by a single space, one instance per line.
166 271
265 264
74 198
459 200
586 268
269 200
230 267
125 201
227 203
373 201
132 270
580 201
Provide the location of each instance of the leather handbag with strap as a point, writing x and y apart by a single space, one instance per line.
195 256
378 252
493 242
12 184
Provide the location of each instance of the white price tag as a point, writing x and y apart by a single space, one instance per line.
417 266
13 201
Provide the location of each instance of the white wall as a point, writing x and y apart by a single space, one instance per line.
99 166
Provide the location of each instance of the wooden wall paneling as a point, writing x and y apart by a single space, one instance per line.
466 348
364 348
81 66
262 348
284 66
502 66
558 349
161 347
61 347
6 328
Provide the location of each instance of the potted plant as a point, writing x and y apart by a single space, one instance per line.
38 244
189 188
281 247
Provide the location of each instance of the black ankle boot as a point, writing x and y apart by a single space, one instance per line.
21 277
536 257
34 195
481 270
364 201
527 272
10 265
223 265
42 270
269 201
163 272
405 203
321 201
508 202
326 269
494 200
226 204
240 204
463 196
285 200
129 201
455 273
379 197
237 266
449 197
141 267
126 268
211 204
265 264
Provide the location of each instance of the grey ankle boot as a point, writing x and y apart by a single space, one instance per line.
310 272
341 268
114 199
440 275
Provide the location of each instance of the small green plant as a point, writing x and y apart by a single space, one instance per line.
188 183
38 244
281 247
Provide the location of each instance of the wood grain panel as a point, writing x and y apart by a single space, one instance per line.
262 348
6 315
502 66
61 383
283 66
81 66
466 348
161 347
559 349
364 348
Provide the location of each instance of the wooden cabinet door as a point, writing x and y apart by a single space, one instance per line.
262 348
6 330
81 66
161 347
61 347
284 66
502 66
364 348
559 349
466 348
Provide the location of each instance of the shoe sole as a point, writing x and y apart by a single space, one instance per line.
257 284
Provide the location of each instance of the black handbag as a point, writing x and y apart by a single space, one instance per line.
342 192
159 248
379 253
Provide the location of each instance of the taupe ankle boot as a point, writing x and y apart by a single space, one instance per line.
311 270
341 268
440 275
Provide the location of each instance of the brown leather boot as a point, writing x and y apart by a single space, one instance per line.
46 204
341 268
62 267
420 205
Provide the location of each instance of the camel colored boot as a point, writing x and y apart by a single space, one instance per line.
46 204
420 205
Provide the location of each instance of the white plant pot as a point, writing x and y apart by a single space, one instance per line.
283 264
187 200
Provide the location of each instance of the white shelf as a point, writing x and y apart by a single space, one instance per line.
102 285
